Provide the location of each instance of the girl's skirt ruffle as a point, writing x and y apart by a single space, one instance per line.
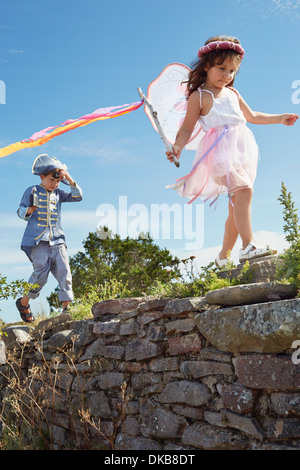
225 162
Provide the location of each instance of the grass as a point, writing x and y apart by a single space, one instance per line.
36 408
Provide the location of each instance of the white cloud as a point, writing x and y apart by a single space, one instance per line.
9 220
115 149
12 258
286 7
269 8
72 219
17 51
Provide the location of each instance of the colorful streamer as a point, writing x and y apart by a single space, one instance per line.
43 136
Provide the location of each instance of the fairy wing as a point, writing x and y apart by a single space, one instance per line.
167 94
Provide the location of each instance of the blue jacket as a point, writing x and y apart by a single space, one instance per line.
45 222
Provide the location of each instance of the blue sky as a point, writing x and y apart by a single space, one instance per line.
62 59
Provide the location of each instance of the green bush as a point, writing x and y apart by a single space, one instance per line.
290 259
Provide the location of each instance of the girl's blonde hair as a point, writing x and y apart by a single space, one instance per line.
197 75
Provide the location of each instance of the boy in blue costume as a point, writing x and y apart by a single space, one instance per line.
44 240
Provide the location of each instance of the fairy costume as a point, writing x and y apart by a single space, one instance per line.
226 157
226 151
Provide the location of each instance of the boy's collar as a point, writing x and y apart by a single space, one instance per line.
42 186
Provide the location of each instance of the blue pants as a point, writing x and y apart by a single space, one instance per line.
54 259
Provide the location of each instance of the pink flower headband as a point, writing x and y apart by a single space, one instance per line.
211 46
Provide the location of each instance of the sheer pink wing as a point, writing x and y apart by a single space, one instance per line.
167 94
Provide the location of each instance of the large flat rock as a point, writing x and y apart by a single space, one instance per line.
269 327
16 336
261 269
251 293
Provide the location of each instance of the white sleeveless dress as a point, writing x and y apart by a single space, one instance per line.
227 156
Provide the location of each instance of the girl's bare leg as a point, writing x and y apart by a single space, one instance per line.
230 233
242 215
238 221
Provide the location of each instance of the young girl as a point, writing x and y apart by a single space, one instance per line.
227 156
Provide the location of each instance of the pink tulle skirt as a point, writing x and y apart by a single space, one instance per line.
229 167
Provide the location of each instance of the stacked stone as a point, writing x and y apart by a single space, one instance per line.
212 372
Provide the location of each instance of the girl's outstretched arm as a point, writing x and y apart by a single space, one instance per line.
256 117
187 127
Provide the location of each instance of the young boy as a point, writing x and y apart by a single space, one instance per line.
43 240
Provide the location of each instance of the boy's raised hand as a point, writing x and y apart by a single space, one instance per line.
65 175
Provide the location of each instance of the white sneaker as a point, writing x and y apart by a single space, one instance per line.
255 251
221 263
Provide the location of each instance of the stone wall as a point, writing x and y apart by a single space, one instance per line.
196 373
